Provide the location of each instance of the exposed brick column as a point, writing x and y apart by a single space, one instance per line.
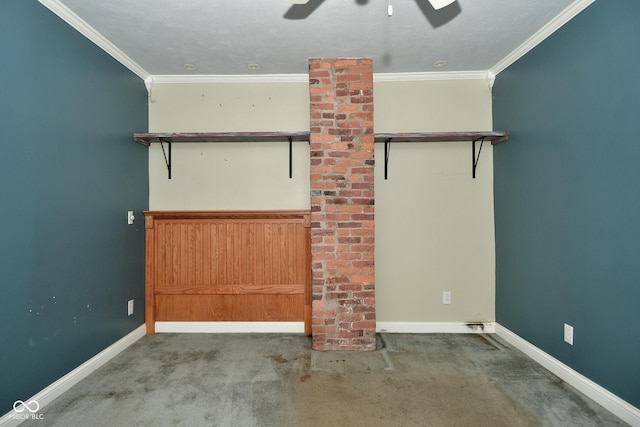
342 204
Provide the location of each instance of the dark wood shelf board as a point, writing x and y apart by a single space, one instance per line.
495 137
149 138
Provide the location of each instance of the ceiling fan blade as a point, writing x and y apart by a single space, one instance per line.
302 10
439 4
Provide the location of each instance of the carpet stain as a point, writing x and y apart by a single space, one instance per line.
278 358
114 395
211 355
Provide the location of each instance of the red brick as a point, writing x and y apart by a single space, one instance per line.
363 217
364 325
350 287
363 279
342 220
322 106
340 63
348 108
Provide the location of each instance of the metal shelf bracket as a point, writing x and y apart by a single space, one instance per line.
387 150
167 159
474 158
290 157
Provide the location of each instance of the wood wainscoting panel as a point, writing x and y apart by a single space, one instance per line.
228 266
236 308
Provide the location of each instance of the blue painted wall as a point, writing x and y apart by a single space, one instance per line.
69 171
567 195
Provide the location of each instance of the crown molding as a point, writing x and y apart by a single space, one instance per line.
230 78
304 78
431 75
561 19
89 32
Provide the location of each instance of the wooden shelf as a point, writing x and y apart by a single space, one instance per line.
495 137
149 138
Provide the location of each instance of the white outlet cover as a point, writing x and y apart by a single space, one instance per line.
446 297
568 334
129 307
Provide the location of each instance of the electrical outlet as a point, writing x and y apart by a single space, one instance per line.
446 297
568 334
130 307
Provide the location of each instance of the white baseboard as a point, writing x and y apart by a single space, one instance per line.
625 411
231 327
436 327
298 327
54 390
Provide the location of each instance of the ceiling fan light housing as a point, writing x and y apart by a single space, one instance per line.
439 4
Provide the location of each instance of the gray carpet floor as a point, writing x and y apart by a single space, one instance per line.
277 380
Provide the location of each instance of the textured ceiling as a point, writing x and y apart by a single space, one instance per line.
222 37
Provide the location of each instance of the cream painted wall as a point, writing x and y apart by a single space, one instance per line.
434 223
229 176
